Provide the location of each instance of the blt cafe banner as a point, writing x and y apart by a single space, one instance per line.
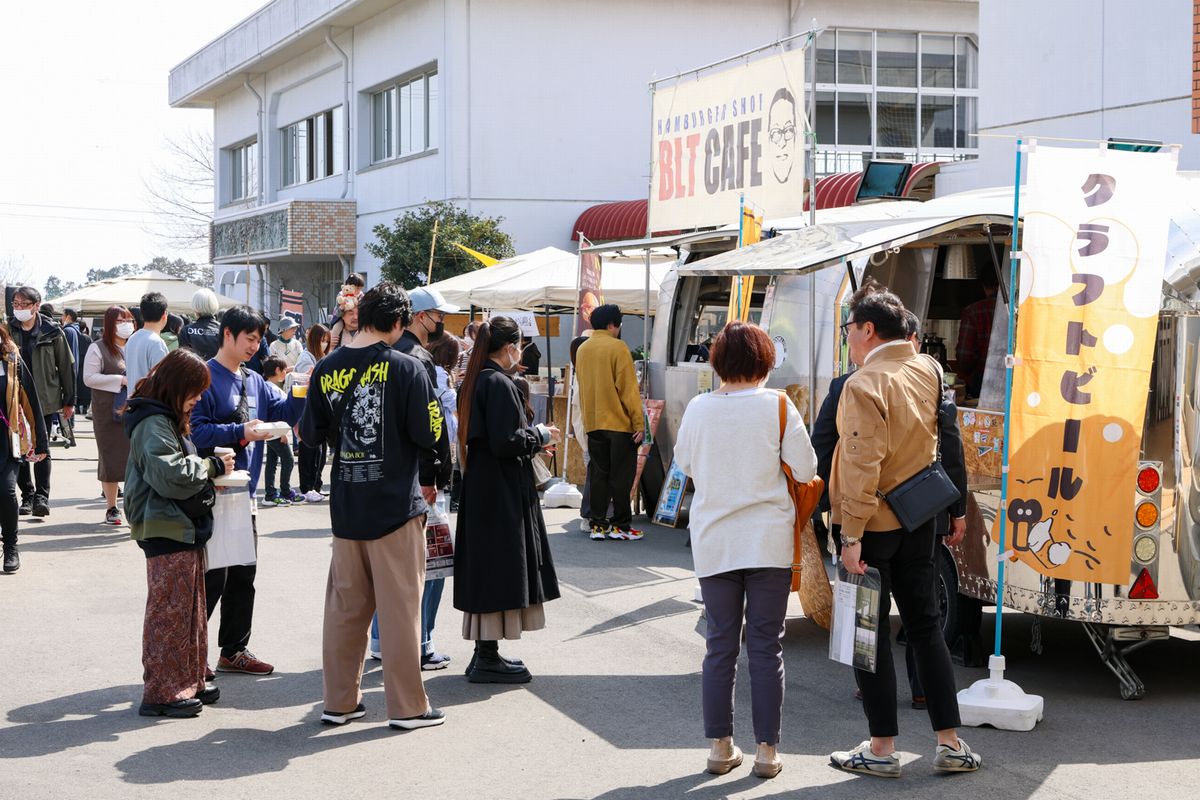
728 133
1094 249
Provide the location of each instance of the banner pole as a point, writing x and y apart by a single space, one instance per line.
1013 290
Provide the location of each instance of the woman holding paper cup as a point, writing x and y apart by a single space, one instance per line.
741 526
168 502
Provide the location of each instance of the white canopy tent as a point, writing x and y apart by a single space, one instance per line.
95 298
548 278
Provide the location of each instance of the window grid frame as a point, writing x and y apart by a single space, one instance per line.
919 153
396 119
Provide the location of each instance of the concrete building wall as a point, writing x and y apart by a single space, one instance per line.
1086 69
545 106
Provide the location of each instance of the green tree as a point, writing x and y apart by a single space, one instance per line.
57 287
201 274
404 246
119 271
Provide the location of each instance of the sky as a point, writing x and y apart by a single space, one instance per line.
85 125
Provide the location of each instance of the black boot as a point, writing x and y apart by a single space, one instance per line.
12 559
489 667
515 662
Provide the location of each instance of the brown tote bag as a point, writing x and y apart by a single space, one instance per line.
808 568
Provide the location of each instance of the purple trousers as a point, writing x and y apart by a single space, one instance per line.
760 597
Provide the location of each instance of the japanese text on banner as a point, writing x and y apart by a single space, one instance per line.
1094 247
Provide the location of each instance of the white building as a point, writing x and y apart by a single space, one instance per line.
1127 70
334 116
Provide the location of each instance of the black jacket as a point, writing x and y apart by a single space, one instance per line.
825 439
501 553
52 364
202 337
436 468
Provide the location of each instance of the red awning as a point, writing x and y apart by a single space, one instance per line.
625 219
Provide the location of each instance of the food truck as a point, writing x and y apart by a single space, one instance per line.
932 255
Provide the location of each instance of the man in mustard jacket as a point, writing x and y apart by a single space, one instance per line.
613 418
887 432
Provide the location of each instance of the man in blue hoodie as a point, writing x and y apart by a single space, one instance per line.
228 415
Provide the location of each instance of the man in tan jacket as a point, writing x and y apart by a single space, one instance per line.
887 428
613 417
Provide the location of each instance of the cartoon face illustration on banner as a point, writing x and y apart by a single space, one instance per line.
781 135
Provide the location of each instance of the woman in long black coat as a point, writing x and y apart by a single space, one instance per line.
503 572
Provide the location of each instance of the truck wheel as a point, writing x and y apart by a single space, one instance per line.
946 592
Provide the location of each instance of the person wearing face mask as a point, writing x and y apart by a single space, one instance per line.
45 350
503 572
104 372
436 468
145 347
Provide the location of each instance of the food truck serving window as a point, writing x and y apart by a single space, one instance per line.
701 311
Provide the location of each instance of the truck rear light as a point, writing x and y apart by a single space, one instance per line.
1148 480
1143 588
1147 514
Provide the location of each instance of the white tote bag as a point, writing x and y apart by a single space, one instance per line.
232 541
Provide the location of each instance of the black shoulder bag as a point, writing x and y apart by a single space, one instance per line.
929 492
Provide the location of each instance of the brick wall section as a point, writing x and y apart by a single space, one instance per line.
322 228
1196 67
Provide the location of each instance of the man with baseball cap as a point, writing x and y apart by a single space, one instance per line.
429 310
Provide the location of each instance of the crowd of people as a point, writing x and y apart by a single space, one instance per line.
415 417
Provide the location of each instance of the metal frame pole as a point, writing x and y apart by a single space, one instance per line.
1013 258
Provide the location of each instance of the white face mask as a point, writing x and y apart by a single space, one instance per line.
23 314
124 329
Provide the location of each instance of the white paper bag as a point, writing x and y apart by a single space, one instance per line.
232 542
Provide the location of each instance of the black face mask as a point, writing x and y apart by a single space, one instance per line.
438 329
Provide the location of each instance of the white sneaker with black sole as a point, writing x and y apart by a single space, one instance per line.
342 717
434 716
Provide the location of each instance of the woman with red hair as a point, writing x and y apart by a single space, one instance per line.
742 516
104 374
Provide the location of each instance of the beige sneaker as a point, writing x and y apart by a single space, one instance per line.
719 764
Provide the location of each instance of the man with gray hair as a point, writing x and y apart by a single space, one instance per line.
203 336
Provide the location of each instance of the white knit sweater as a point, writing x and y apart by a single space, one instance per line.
742 514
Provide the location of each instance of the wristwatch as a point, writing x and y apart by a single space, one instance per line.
848 542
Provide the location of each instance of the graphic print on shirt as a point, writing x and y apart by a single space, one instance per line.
361 446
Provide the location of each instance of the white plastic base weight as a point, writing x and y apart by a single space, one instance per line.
562 495
1000 703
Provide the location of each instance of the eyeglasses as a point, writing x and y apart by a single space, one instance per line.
781 135
845 326
21 306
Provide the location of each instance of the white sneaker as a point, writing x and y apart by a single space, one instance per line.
862 759
313 496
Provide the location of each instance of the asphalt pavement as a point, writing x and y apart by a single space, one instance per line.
613 711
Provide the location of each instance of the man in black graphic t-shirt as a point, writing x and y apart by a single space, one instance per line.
378 411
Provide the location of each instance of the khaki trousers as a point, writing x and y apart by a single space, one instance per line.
385 574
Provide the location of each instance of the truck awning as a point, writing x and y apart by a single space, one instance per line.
844 234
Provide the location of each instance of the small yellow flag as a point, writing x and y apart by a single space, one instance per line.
487 261
742 289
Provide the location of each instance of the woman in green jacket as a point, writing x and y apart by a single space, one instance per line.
168 503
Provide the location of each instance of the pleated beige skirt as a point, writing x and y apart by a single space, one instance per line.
503 624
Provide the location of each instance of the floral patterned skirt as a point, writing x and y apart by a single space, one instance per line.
175 635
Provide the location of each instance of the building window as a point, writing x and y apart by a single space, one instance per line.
243 171
313 148
405 117
895 94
